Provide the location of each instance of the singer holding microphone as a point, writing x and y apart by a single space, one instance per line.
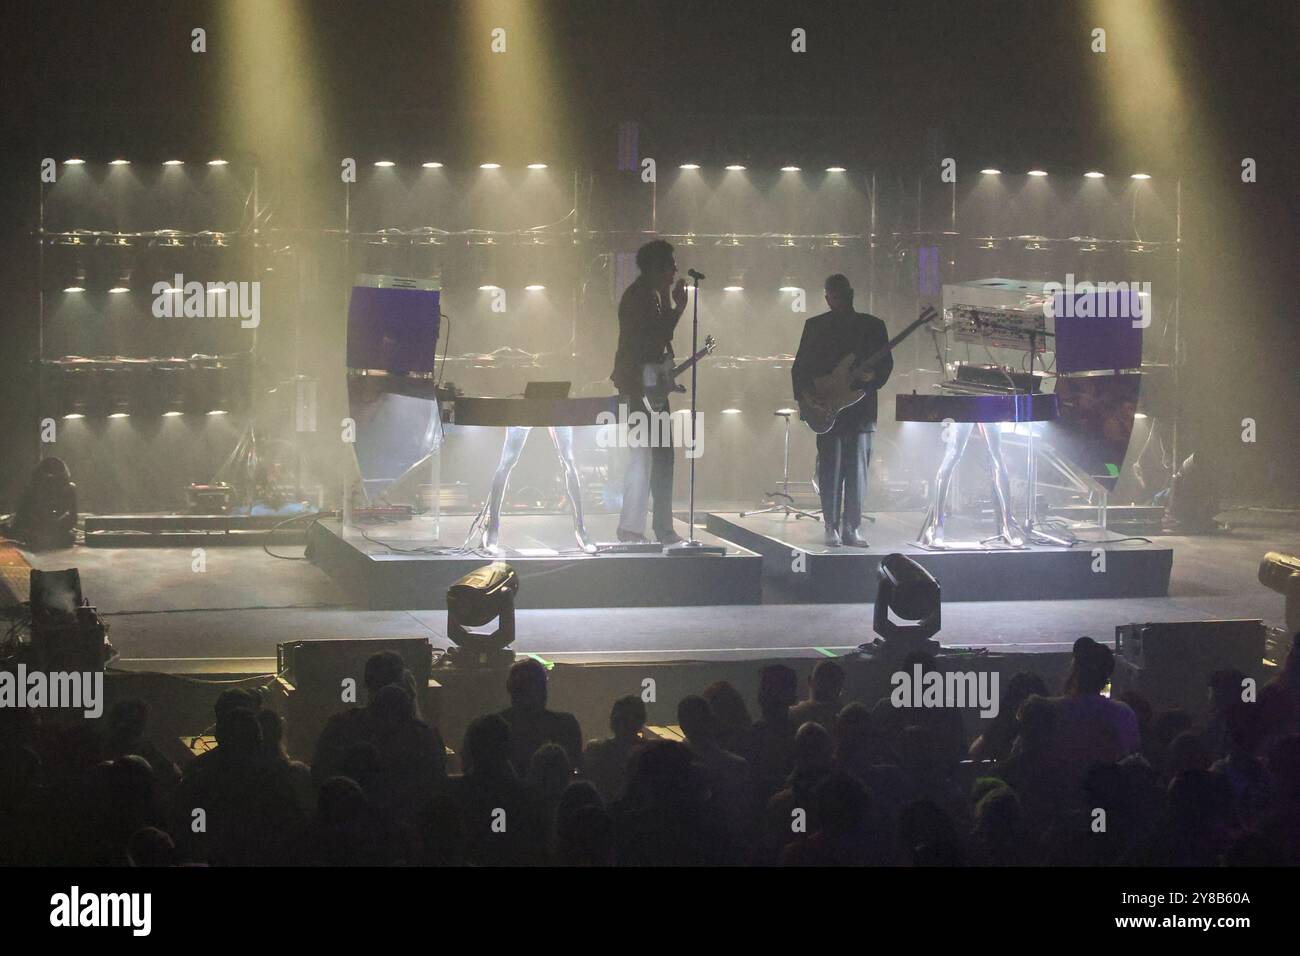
647 317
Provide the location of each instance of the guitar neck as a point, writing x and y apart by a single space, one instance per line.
923 318
677 370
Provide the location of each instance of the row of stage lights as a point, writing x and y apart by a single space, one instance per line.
389 164
731 168
1092 174
126 162
170 388
174 413
121 289
738 168
1039 173
381 164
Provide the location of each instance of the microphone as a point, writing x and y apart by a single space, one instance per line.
697 276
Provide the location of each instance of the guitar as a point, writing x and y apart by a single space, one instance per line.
840 388
660 380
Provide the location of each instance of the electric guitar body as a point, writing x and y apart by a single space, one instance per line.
660 381
842 387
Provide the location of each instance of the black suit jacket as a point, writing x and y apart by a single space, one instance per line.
645 334
827 338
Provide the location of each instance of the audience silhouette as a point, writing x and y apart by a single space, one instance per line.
826 782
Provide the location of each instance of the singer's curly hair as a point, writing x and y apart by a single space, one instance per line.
654 256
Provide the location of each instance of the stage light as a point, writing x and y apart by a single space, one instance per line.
73 391
432 165
73 416
536 165
1094 175
835 169
488 288
385 163
1280 572
733 288
1037 172
218 162
174 413
75 275
734 168
473 602
789 169
731 411
119 162
489 165
174 162
1139 415
122 279
1140 176
218 411
912 594
535 287
689 166
120 415
74 162
787 411
991 172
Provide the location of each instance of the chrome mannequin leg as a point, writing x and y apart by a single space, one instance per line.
1008 530
516 437
562 437
931 535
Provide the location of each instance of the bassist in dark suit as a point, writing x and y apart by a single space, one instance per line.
844 452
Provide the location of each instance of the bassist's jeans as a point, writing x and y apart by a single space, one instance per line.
649 475
842 459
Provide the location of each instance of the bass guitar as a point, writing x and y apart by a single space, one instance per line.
842 387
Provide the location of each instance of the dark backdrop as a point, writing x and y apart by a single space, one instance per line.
900 84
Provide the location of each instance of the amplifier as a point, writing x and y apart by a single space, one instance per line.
312 662
1171 663
310 682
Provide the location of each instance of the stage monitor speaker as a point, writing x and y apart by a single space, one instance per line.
311 675
1170 663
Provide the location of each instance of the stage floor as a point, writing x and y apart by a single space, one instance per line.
409 564
800 567
165 616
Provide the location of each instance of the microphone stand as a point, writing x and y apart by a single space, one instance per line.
691 546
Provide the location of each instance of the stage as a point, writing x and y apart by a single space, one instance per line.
227 619
182 635
409 564
799 567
